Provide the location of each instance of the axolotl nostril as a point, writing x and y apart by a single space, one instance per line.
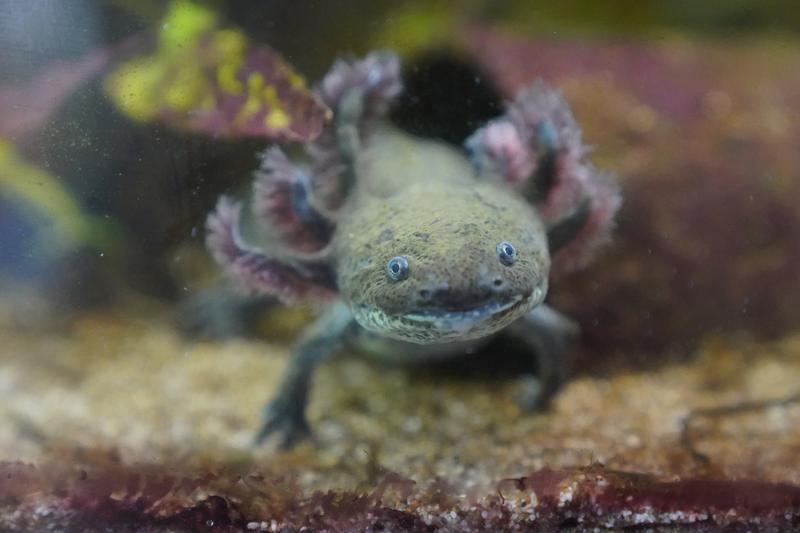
423 252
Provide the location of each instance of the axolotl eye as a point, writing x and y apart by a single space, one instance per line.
507 253
397 268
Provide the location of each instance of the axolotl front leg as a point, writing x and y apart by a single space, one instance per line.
285 413
543 332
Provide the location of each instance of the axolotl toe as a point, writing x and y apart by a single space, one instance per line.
422 251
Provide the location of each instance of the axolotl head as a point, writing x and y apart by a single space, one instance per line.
432 264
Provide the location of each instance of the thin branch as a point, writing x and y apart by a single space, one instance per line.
723 411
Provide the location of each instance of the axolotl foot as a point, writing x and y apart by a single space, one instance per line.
284 418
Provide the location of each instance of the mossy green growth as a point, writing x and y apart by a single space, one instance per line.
207 79
183 23
170 78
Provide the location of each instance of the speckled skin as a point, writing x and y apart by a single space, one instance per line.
447 216
422 200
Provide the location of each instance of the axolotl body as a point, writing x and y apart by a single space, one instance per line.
421 251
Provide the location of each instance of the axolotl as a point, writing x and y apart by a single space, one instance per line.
420 251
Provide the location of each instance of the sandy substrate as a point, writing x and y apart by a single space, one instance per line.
136 388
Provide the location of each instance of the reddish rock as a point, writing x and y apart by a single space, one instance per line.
158 498
708 238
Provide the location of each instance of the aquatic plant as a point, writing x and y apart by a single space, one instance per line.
207 79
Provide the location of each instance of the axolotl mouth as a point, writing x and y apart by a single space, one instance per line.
480 312
440 324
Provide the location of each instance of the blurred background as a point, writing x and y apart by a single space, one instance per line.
104 187
120 126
